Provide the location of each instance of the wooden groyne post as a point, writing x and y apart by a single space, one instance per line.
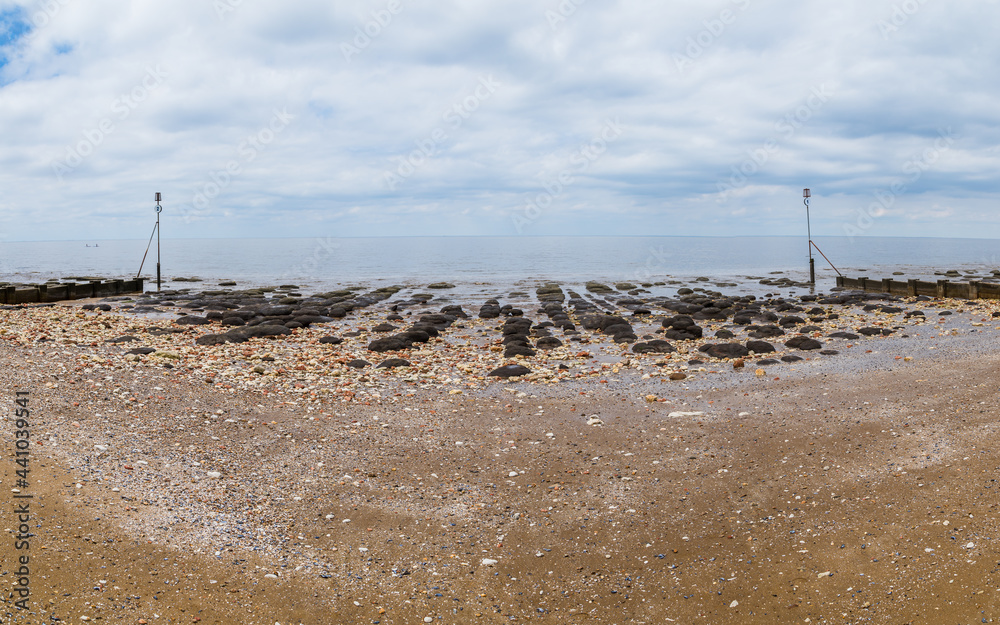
41 293
973 289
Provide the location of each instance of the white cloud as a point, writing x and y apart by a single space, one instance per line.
701 90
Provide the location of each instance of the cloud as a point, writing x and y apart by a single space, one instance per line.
720 123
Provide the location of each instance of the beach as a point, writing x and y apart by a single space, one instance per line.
264 479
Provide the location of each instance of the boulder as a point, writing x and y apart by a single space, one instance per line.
803 342
760 347
509 371
392 363
656 346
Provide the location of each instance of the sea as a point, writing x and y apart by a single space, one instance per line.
497 264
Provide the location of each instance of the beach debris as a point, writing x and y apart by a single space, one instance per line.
677 414
594 421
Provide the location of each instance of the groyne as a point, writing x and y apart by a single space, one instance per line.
55 292
973 289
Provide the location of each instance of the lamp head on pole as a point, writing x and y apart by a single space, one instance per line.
805 193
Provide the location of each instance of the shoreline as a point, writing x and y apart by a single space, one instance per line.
420 464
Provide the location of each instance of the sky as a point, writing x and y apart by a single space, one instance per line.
498 117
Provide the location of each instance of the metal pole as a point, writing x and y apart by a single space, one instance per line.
158 209
812 264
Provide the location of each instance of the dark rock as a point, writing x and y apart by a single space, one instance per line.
516 349
725 350
415 335
829 352
803 342
760 347
214 339
548 342
392 363
724 334
808 329
767 361
791 321
233 321
384 327
765 332
142 351
292 325
275 311
331 340
875 331
844 335
510 371
389 344
656 346
123 339
191 320
791 358
357 363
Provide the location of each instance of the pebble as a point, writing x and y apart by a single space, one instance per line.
488 562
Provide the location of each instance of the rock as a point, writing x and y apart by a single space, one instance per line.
875 331
517 349
724 334
790 359
142 351
803 342
548 342
214 475
677 375
760 347
656 346
233 321
191 320
594 421
441 285
384 327
765 332
725 350
393 343
677 414
844 335
331 340
600 289
357 363
829 352
392 363
509 371
213 339
123 339
489 561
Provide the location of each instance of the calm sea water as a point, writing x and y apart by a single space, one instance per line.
478 263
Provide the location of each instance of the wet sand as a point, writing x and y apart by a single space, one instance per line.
857 487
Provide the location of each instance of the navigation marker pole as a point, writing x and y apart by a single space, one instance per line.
159 209
812 263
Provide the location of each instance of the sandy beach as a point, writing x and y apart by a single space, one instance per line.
267 481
